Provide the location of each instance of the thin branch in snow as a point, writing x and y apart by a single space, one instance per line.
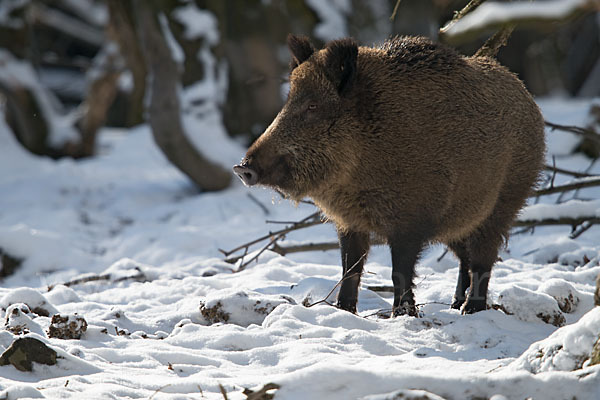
159 389
563 171
324 246
471 5
223 392
344 277
580 184
306 222
440 258
587 133
243 264
557 221
139 276
382 313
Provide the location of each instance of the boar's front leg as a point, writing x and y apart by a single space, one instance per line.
355 247
405 252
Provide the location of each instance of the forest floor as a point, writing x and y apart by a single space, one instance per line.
168 319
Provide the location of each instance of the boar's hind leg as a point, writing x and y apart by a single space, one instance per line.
464 280
405 252
355 247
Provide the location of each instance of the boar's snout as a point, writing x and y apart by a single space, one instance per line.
246 174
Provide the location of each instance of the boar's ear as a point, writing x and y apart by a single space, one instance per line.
301 49
340 63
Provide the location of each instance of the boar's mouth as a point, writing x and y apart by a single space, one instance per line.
276 174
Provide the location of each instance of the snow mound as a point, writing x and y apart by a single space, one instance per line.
528 305
32 298
565 350
20 391
240 307
565 251
563 292
18 321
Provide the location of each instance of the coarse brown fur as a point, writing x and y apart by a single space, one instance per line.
411 142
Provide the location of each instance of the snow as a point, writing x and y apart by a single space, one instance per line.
176 50
6 8
569 209
491 13
565 350
16 73
197 23
167 318
331 15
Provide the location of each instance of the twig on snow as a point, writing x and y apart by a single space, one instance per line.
576 174
223 392
344 277
580 184
584 132
95 278
311 220
324 246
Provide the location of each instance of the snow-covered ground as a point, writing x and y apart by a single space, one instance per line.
169 319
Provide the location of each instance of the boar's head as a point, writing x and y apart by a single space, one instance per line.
306 146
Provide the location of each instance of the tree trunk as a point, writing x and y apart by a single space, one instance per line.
121 29
164 108
100 95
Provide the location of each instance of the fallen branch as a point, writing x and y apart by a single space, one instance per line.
311 220
585 222
495 16
324 246
574 222
593 181
139 276
584 132
567 172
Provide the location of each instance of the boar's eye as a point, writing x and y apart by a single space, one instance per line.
312 107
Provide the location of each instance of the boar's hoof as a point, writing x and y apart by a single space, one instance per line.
473 306
347 306
246 174
406 308
457 303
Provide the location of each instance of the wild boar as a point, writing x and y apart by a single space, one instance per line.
410 143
